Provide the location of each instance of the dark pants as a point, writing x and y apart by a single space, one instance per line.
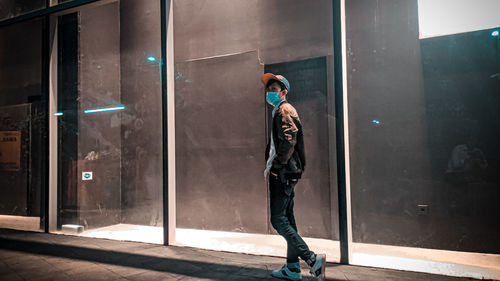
283 220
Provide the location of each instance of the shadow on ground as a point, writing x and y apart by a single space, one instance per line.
195 269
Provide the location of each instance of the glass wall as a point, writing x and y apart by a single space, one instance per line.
424 122
14 8
221 50
23 135
424 128
109 121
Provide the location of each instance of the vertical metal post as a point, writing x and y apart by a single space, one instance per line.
165 12
52 127
44 212
339 125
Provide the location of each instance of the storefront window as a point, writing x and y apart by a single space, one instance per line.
22 127
424 124
222 48
109 122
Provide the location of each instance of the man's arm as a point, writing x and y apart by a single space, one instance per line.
287 134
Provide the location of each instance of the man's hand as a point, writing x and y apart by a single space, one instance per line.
274 171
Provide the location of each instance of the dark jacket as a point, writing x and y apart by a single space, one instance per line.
288 138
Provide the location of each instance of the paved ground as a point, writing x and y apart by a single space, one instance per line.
40 256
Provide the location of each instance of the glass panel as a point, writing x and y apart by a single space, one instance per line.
222 121
424 127
110 123
22 127
14 8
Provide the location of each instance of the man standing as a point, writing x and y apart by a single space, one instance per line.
285 162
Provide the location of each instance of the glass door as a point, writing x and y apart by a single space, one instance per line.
109 122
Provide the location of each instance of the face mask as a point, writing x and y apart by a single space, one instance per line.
273 98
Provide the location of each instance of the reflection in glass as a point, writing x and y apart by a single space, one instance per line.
222 122
109 126
427 177
22 127
14 8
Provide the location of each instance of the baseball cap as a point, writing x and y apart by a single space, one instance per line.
269 76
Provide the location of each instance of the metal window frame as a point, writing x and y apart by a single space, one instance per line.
341 129
45 76
168 122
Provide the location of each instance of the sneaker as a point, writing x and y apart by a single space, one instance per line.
287 273
318 268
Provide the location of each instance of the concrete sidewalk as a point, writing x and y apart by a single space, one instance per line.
41 256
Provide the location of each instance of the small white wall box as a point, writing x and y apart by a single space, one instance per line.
86 176
72 228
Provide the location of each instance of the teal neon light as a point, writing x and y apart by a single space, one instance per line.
94 110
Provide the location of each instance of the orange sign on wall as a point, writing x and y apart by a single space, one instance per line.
10 150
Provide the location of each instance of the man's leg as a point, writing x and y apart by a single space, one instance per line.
283 221
292 257
281 203
280 197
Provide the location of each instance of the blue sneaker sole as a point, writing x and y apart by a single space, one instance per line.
283 275
319 272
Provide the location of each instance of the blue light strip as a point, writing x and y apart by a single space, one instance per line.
104 109
58 114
